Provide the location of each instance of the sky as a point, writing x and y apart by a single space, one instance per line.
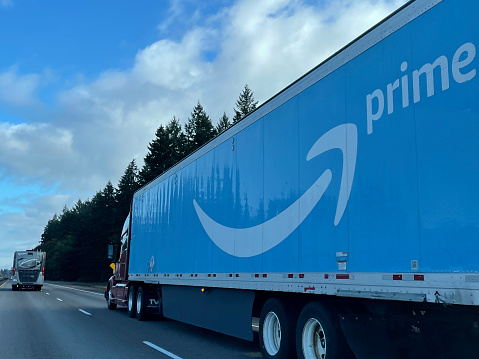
85 84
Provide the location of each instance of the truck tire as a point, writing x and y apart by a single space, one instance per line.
109 303
140 304
14 288
319 334
276 330
131 302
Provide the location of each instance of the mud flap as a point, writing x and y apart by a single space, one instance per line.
152 300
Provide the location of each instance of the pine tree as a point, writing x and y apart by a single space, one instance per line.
245 104
128 183
176 142
199 129
127 186
155 161
223 124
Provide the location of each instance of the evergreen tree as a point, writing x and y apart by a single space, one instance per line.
223 124
127 186
155 161
82 232
102 230
61 239
199 129
164 151
176 142
245 104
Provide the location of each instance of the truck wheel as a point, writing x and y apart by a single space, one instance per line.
131 302
110 304
140 304
319 334
276 330
14 288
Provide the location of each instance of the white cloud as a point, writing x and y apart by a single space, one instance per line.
17 89
22 230
174 66
175 10
269 45
35 150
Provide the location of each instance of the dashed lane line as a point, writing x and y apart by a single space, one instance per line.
161 350
81 310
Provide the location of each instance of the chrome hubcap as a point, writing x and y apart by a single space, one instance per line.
272 333
138 303
314 340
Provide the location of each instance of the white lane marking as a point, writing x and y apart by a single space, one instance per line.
80 290
47 293
171 355
60 300
84 312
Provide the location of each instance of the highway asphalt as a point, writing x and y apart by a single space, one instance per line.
68 321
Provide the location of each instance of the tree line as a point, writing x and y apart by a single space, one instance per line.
77 239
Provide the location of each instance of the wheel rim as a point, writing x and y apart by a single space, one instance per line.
109 296
314 340
138 302
130 301
272 333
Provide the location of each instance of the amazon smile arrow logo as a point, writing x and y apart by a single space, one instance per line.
249 242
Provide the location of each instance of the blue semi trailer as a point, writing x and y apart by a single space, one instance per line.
343 212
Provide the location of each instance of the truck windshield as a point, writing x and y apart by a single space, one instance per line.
29 261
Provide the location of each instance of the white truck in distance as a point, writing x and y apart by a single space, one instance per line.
28 270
